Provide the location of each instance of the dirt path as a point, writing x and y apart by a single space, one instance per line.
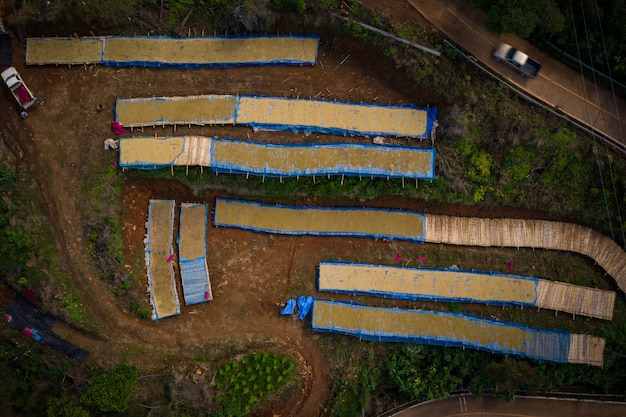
250 274
121 331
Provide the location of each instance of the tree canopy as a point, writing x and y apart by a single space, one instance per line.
112 390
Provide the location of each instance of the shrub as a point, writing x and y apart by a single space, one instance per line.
66 406
112 390
243 385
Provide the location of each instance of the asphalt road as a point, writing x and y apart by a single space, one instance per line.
521 407
557 85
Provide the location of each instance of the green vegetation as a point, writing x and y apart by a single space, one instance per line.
295 5
16 246
112 390
425 373
353 394
523 18
66 406
101 205
27 246
428 372
28 372
243 385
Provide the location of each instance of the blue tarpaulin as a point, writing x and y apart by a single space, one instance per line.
304 306
289 308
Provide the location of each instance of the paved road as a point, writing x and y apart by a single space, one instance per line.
522 407
556 85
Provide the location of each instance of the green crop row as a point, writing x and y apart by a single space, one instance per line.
243 385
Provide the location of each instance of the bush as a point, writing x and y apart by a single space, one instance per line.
112 390
66 406
296 5
243 385
430 372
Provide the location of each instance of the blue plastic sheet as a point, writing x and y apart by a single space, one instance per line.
289 308
304 306
194 272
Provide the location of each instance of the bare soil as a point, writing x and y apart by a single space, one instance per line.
251 274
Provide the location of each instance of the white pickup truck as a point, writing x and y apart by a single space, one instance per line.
517 60
23 96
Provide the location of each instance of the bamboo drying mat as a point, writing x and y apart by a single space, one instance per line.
575 299
159 111
159 248
319 221
425 283
192 233
586 349
349 117
41 51
408 162
209 51
150 151
545 234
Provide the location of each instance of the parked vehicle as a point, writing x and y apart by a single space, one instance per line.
518 60
22 94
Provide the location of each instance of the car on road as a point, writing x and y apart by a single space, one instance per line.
516 59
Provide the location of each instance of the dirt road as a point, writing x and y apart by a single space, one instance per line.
62 143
